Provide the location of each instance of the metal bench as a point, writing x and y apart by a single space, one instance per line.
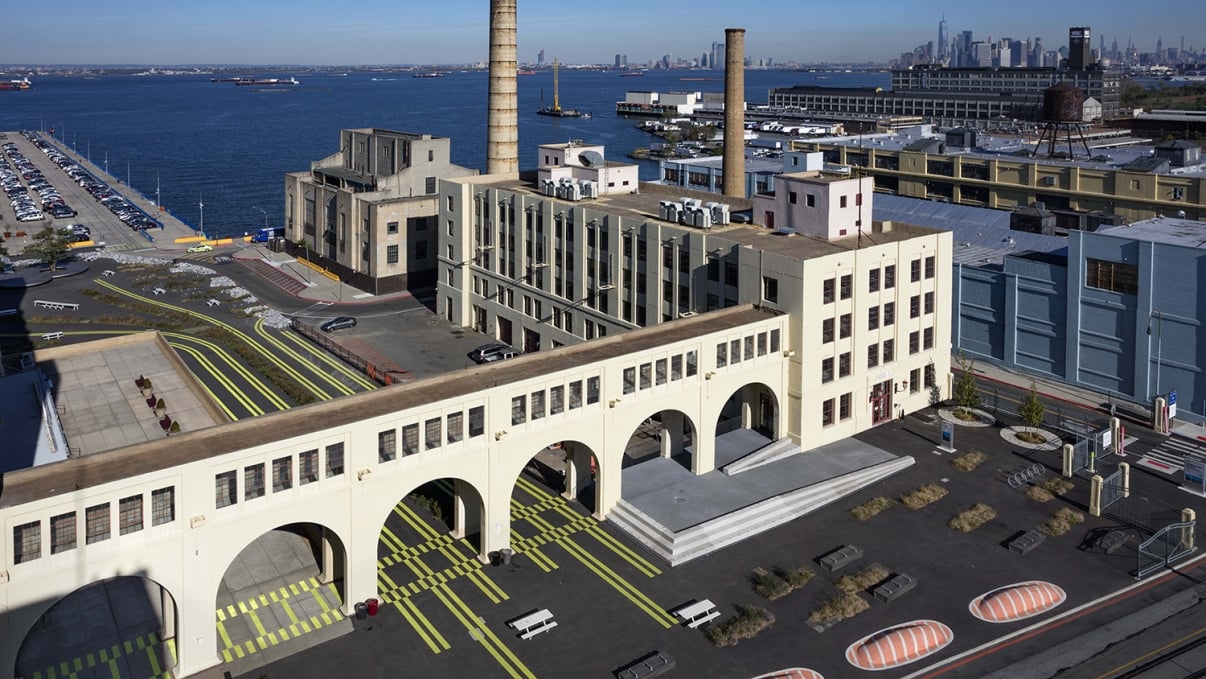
212 302
533 623
840 557
45 304
698 613
1026 541
894 588
52 336
653 665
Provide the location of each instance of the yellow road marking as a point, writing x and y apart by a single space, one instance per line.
618 583
255 620
324 356
226 643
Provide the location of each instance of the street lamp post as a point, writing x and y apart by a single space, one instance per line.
265 215
201 206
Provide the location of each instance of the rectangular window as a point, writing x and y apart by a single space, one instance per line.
307 467
519 409
660 376
282 474
844 364
692 363
929 266
537 405
387 445
646 373
96 523
872 355
556 400
225 486
914 381
477 421
761 344
129 514
410 439
253 482
735 351
334 459
927 338
629 380
774 341
873 318
915 270
889 350
770 289
391 254
827 412
826 330
915 306
1112 276
456 427
791 197
430 185
844 326
62 533
929 376
889 276
847 286
873 280
889 313
827 369
929 302
914 342
842 201
592 390
163 506
433 433
810 200
27 542
748 344
827 291
844 406
676 367
391 227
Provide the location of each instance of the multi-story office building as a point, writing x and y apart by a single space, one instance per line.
867 338
367 212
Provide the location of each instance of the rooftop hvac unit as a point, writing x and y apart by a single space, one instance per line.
720 213
690 202
701 218
669 211
573 191
590 189
548 187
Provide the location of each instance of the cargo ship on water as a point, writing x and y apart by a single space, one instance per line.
22 84
555 110
267 82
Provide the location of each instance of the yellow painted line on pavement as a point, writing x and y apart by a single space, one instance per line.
625 588
254 380
486 637
259 626
304 361
444 546
325 356
213 372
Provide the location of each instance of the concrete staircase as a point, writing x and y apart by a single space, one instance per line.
776 450
714 534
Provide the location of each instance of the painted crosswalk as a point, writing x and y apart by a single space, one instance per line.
1169 456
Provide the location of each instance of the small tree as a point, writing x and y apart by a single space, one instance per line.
1032 410
967 392
48 246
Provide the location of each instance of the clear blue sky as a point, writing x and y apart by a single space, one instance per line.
455 31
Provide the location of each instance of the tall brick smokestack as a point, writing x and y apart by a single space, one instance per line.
502 135
734 112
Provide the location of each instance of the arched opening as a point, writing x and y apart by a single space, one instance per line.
288 583
126 625
566 468
748 420
667 434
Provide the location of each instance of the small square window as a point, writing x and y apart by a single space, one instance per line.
391 227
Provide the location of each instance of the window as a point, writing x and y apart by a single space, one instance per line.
692 363
282 474
430 186
873 280
827 369
748 343
391 254
844 365
844 326
844 406
713 267
774 341
927 338
842 201
873 318
1112 276
629 380
96 520
575 395
914 342
889 313
827 331
410 439
129 514
761 344
847 285
537 405
27 542
915 270
646 372
791 197
456 427
477 421
660 375
827 412
556 400
929 376
62 533
735 351
770 289
225 485
827 290
889 276
889 350
334 459
387 445
929 266
519 410
592 390
914 381
307 467
432 433
253 482
872 355
810 200
929 302
676 367
391 227
163 506
915 306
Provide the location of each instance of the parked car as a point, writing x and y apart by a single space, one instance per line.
338 323
201 247
489 353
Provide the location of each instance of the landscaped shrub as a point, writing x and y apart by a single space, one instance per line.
927 494
871 507
863 580
798 577
779 584
1057 485
1061 522
839 608
430 504
969 461
749 621
972 518
1039 494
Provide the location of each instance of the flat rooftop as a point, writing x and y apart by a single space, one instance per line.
1168 230
109 380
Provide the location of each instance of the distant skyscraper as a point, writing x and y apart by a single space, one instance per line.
965 55
1080 48
619 61
540 58
943 41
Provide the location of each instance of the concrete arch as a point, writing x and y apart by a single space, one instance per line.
94 619
754 405
468 505
582 464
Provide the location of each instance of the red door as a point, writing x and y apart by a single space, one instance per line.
881 402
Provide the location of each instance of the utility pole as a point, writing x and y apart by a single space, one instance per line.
157 203
201 205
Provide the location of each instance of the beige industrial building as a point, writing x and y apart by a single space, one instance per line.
367 212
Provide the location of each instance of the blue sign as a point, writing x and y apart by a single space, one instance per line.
1172 404
1195 473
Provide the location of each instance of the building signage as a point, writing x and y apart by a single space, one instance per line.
948 436
1172 404
1195 474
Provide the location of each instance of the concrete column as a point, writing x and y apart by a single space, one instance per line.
496 521
1095 484
747 410
458 510
1069 450
1188 515
1126 478
580 461
502 135
672 433
570 471
1116 436
196 643
327 563
167 615
734 112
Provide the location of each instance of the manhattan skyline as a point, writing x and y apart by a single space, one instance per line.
308 32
